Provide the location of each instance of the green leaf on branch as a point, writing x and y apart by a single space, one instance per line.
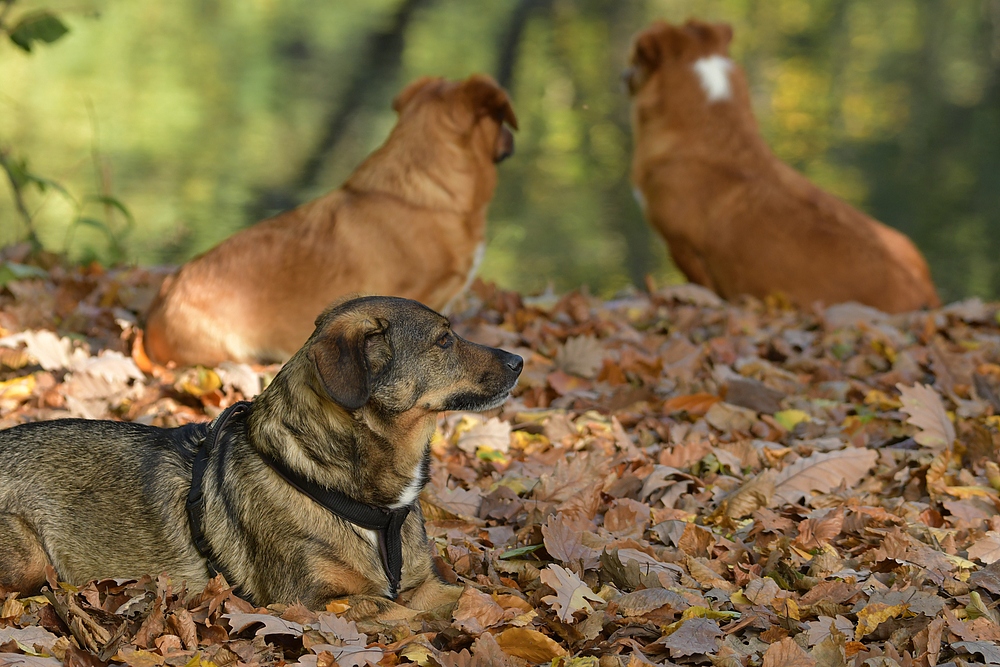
40 26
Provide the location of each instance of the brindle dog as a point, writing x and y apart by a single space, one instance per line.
352 412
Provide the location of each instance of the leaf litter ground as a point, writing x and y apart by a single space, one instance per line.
677 480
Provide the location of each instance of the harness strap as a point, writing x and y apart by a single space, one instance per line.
387 522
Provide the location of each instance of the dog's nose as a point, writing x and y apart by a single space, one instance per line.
515 363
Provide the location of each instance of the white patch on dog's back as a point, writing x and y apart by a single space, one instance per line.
412 490
713 73
477 259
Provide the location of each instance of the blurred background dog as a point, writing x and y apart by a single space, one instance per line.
410 221
736 219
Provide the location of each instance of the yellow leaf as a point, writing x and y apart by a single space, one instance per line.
789 418
884 349
786 608
18 389
966 492
875 614
705 612
417 653
529 644
200 381
881 400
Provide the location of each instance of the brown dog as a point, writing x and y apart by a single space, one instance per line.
409 222
309 493
736 219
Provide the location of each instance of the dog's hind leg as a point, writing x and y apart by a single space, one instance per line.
22 558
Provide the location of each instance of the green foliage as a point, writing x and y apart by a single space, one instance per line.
894 107
39 26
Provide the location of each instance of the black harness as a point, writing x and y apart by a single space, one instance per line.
388 523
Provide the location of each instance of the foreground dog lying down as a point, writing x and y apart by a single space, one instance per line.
736 219
346 422
410 221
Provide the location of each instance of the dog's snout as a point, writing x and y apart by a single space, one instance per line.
515 363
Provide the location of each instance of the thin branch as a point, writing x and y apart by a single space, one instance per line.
22 209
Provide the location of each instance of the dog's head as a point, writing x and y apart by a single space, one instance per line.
394 355
477 108
680 69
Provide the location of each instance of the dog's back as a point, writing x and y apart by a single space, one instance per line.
72 488
736 218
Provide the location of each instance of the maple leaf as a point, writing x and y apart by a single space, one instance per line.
927 413
572 595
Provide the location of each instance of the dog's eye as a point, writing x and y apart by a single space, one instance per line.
445 341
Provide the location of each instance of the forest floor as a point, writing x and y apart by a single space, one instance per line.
677 480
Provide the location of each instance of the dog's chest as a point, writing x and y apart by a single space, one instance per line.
413 487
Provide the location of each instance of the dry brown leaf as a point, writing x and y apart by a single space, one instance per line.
572 595
787 653
529 644
562 535
987 548
492 434
581 355
695 636
476 612
822 473
927 413
753 494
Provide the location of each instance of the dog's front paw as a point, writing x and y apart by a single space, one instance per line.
432 594
374 608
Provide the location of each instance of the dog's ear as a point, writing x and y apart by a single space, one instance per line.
647 50
487 98
348 355
411 90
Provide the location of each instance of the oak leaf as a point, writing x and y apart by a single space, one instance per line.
572 595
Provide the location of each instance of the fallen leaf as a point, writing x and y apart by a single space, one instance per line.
572 595
694 636
529 644
786 653
476 612
272 625
987 548
823 472
873 615
927 413
580 355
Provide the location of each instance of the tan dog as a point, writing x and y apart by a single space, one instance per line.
409 222
737 219
307 494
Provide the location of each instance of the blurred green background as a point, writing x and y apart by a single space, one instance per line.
203 116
